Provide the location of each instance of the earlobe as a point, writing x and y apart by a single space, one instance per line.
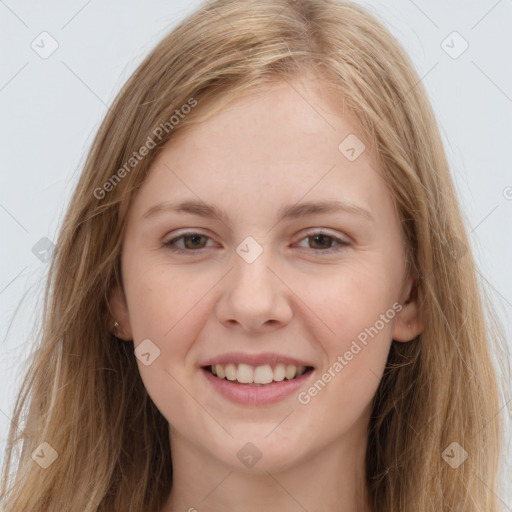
409 322
120 323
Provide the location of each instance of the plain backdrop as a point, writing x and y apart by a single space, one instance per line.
51 107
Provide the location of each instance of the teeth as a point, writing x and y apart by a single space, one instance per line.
247 374
219 371
230 372
279 372
290 371
263 374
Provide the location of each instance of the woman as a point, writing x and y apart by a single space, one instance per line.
263 296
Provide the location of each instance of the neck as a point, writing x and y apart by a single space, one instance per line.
332 479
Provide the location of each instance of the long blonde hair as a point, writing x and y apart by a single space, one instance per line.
83 394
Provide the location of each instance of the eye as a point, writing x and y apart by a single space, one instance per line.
193 242
323 242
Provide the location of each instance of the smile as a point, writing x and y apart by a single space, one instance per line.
257 375
256 379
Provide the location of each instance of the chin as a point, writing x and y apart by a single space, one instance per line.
260 455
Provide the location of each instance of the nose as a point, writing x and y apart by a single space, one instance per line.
254 297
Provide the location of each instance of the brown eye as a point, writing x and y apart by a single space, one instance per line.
323 243
191 242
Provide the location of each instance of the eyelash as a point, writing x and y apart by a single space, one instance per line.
171 243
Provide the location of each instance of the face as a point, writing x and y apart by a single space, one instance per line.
268 287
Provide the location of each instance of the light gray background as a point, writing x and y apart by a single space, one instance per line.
51 109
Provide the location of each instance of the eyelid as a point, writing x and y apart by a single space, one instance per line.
167 241
324 231
341 242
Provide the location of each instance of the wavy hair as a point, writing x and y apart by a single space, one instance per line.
83 394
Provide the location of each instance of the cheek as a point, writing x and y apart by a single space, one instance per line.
358 308
168 308
170 320
354 358
352 299
162 302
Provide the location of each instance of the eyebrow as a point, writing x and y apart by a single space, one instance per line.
292 211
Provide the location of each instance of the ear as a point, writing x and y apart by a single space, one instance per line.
120 315
409 321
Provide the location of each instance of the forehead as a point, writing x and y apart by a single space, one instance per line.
288 118
268 147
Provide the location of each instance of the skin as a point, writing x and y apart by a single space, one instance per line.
263 151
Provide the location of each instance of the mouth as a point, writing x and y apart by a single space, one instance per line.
257 376
256 379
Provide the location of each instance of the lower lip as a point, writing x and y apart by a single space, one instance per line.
256 395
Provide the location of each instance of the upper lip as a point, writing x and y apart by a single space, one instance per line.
269 358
